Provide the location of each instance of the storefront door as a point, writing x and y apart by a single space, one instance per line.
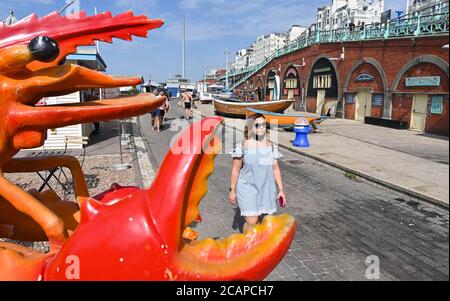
320 101
419 112
291 94
363 105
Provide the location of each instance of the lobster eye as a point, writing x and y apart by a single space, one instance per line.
44 49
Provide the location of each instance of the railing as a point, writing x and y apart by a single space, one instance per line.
421 25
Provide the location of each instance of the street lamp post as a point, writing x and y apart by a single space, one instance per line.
226 68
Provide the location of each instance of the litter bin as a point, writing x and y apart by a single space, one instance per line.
302 129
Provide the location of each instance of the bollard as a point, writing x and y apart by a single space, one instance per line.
302 130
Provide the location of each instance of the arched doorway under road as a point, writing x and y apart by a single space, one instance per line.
291 84
322 86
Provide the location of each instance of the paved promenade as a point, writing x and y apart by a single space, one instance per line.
412 162
342 222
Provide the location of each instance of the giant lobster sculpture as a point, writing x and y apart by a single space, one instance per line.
125 233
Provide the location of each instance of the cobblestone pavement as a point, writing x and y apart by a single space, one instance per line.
341 221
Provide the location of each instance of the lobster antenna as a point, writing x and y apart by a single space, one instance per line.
65 7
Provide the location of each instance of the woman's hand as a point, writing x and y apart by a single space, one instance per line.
232 197
282 195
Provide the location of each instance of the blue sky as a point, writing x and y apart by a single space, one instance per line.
212 26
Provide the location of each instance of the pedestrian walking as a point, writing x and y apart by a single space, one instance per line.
186 100
256 174
167 106
158 114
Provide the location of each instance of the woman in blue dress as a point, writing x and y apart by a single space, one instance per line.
256 174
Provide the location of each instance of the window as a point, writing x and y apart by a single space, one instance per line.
350 98
322 82
291 83
377 100
437 104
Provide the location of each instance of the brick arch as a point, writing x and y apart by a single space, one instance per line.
289 66
312 69
299 81
259 84
423 65
266 77
368 65
266 81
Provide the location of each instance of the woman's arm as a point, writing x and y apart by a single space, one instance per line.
235 170
279 179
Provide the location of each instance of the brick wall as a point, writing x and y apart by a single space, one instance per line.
377 111
350 111
311 104
438 124
392 55
401 107
375 85
420 70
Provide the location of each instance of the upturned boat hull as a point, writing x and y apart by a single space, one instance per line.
239 109
284 120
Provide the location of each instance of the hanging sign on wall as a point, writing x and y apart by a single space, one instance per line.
424 81
365 77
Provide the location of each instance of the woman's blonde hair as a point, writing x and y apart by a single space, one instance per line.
249 125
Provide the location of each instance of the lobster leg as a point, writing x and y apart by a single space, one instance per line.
42 164
50 222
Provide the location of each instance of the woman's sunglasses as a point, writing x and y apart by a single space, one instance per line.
260 125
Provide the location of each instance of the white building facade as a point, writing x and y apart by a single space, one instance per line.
265 46
345 13
294 33
10 20
242 58
414 6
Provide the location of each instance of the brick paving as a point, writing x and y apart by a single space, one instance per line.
340 221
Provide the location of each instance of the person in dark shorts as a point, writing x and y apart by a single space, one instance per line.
187 104
166 106
158 114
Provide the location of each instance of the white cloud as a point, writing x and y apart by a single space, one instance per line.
215 19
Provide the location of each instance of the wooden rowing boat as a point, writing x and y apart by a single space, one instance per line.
284 120
206 98
239 109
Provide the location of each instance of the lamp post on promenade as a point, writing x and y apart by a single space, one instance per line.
227 52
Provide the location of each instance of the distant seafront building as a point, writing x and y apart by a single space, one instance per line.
344 13
418 5
10 20
242 59
264 46
295 32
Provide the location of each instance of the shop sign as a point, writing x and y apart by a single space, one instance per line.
424 81
377 100
437 105
365 77
321 70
